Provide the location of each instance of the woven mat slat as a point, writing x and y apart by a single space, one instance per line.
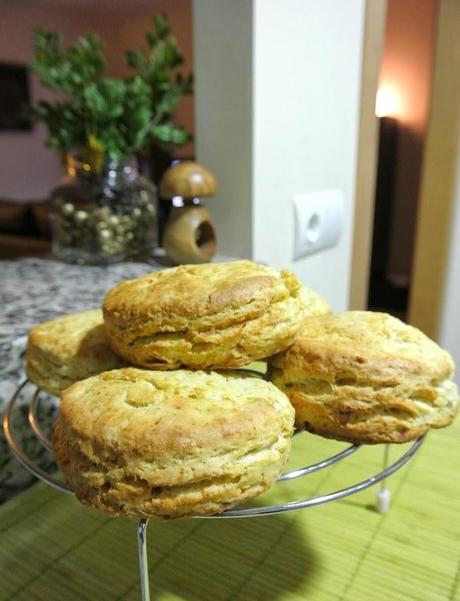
54 549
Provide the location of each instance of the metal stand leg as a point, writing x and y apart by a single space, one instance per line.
384 494
143 560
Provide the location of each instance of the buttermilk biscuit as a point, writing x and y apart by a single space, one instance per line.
68 349
215 315
313 303
171 444
366 378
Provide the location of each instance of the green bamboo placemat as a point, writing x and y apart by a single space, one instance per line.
54 549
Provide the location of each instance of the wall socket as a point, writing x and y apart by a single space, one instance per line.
318 221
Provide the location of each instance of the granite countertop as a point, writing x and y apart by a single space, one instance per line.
33 291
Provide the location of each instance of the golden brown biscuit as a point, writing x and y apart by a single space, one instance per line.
366 378
68 349
216 315
171 444
313 303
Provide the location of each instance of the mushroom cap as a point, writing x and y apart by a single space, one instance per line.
187 179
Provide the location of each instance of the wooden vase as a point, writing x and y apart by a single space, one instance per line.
189 236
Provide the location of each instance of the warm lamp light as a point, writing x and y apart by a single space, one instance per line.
387 102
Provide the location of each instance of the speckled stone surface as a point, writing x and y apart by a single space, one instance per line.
33 291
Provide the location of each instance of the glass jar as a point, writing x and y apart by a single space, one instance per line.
105 215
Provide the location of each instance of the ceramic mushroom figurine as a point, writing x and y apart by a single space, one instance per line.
189 236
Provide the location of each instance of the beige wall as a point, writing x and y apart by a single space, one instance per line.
367 154
223 70
407 68
27 169
305 128
277 105
435 298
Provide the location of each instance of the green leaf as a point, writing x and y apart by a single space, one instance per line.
67 70
151 38
113 142
170 134
161 25
122 115
134 59
169 101
105 99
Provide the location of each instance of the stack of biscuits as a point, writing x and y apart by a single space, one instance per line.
158 419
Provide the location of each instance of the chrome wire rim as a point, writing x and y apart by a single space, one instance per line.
322 499
25 460
35 424
19 453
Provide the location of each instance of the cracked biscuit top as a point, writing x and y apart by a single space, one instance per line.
214 315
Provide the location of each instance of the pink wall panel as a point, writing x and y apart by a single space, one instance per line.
27 168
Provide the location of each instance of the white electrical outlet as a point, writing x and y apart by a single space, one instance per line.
318 221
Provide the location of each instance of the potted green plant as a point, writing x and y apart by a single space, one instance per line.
104 210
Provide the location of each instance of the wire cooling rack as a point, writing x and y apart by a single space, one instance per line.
32 395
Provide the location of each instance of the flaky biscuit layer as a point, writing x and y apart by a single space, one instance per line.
67 349
313 303
171 444
217 315
366 377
